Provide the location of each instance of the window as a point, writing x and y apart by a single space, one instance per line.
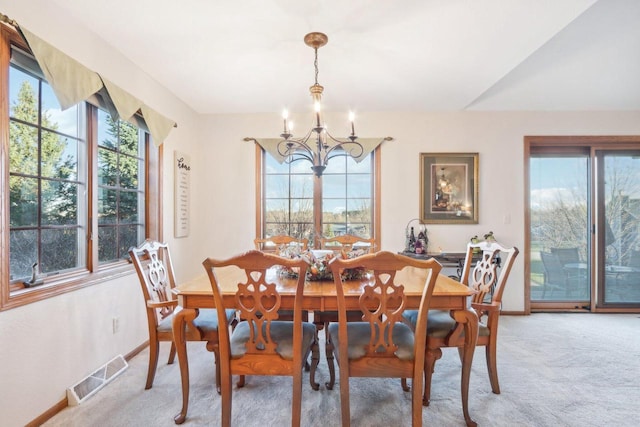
120 187
347 195
288 199
294 202
46 177
77 186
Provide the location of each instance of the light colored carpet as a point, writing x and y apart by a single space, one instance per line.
554 369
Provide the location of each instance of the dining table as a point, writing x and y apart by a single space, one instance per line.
320 295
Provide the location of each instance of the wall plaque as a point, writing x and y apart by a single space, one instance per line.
182 165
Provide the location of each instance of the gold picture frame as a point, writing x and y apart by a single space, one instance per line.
449 188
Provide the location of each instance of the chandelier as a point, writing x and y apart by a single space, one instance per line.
318 146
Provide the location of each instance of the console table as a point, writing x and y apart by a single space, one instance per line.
448 259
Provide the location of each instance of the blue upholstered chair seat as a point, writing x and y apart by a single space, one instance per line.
281 333
359 333
440 323
207 320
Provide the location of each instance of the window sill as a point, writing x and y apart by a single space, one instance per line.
58 285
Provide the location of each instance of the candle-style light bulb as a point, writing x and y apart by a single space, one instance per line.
351 119
285 115
316 106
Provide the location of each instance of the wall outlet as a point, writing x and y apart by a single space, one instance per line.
116 324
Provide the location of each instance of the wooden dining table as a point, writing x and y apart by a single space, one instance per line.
197 294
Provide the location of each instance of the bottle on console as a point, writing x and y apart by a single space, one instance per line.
412 241
422 238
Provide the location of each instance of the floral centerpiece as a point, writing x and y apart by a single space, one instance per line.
357 272
319 265
319 268
292 252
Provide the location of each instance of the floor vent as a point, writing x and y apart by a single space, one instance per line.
86 388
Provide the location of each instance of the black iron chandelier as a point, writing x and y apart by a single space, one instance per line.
318 146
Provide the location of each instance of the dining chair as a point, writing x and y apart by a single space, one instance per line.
152 261
557 276
380 344
566 255
274 243
554 277
278 245
488 279
343 244
261 344
347 242
634 259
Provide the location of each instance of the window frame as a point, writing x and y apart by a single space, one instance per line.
317 198
16 294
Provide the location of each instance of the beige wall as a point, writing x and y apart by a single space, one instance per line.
497 137
50 345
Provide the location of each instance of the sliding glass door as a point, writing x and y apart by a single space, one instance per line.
583 223
619 217
559 227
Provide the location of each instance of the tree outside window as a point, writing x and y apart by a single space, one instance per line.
44 184
120 187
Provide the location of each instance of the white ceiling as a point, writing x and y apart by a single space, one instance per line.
248 56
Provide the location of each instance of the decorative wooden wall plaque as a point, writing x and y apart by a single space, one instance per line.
182 165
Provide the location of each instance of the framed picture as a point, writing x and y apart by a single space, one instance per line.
449 188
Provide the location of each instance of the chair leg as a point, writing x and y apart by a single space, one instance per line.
240 382
345 410
405 386
216 356
225 400
154 349
492 366
416 404
296 400
315 360
429 365
330 359
212 346
172 353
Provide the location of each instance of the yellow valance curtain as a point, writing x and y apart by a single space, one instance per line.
72 82
270 145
